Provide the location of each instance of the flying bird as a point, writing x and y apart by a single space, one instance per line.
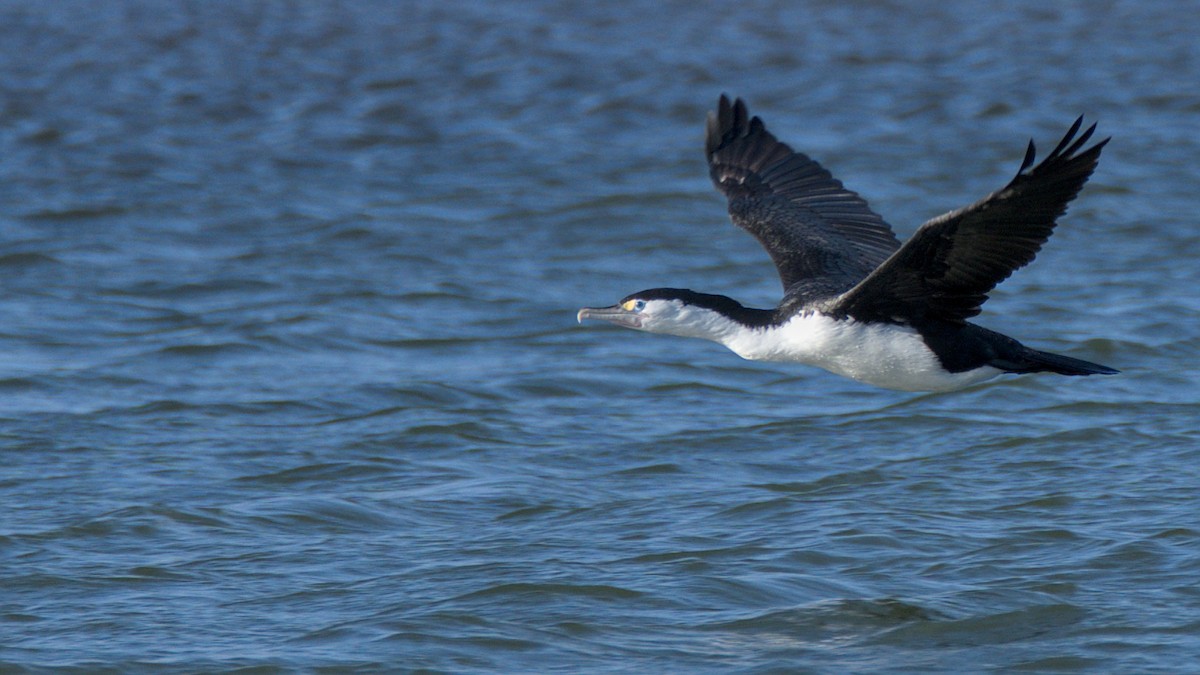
856 302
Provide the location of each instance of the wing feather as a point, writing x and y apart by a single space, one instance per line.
818 233
952 262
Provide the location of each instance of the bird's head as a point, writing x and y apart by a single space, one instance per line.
675 311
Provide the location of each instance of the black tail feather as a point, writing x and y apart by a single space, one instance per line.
1037 362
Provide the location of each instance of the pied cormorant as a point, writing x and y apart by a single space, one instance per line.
855 301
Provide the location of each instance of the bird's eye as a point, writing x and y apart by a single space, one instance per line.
633 305
639 305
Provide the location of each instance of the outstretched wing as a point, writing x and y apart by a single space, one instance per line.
948 267
814 229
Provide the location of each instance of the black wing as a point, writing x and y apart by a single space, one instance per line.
814 229
946 270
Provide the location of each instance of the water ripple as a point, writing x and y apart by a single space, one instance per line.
292 380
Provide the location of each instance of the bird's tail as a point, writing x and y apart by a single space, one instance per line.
1037 362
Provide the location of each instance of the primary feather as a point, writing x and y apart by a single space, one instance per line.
822 237
947 268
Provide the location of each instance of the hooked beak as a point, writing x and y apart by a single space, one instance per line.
615 314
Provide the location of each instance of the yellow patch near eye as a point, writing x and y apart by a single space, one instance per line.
628 305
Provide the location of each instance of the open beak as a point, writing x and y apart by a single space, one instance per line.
614 314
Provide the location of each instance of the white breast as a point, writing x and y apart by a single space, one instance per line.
884 355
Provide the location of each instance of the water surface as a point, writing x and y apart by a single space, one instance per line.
291 378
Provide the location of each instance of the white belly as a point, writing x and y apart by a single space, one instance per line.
884 355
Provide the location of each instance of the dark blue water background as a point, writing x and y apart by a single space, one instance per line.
290 379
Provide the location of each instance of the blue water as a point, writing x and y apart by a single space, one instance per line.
291 380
